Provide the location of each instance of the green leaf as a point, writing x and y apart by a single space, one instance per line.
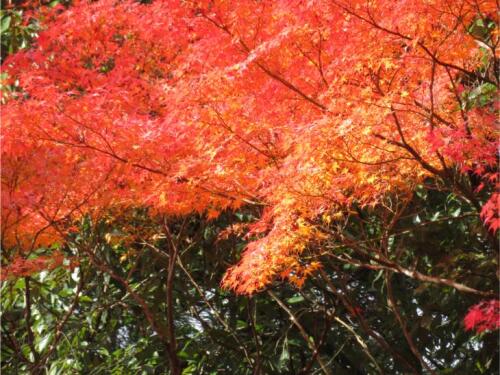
284 357
456 212
191 369
85 299
435 216
5 24
44 342
295 299
240 324
103 351
183 355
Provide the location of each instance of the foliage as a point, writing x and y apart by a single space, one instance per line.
483 316
148 117
107 331
16 33
348 149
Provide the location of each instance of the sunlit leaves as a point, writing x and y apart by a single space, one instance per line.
306 109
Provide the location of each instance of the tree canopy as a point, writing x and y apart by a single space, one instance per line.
346 149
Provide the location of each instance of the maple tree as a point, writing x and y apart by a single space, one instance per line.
301 111
310 111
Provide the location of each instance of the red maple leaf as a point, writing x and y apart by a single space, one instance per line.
483 316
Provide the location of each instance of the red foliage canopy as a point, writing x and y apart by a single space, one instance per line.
201 106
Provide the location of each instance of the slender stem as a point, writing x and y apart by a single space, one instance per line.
251 318
309 340
361 343
393 306
27 316
175 365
